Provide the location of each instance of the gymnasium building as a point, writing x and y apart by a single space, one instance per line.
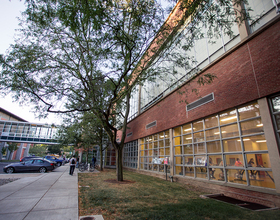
225 136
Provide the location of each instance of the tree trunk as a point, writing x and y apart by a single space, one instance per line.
119 164
101 158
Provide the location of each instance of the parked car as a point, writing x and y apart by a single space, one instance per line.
28 158
53 158
35 164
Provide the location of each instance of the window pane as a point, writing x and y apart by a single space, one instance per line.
177 140
187 139
214 147
161 151
178 150
228 117
188 149
211 122
252 127
156 153
212 134
178 160
234 160
199 148
188 160
179 170
156 144
261 178
216 160
277 119
258 160
255 143
189 171
197 126
155 137
276 104
230 131
167 142
201 172
177 131
236 176
161 135
187 128
155 167
161 144
249 111
198 137
166 134
232 145
167 151
200 160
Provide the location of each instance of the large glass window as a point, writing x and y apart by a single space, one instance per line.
261 11
229 147
202 51
275 110
154 149
130 155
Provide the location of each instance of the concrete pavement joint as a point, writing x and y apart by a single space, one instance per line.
44 194
21 188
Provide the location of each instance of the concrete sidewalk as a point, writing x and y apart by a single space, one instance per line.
51 196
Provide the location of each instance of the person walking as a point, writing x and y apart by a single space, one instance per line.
72 165
93 161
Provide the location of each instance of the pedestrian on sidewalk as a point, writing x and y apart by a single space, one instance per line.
72 165
93 161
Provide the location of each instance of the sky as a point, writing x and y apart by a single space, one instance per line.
9 11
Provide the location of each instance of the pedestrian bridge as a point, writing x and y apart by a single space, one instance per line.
26 132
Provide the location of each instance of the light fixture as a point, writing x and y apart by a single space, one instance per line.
219 132
189 138
261 141
230 118
246 139
189 129
259 125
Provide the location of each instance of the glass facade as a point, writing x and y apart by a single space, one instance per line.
153 150
24 131
230 147
130 157
261 12
203 51
110 158
275 111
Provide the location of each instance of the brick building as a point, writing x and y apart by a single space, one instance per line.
225 136
22 147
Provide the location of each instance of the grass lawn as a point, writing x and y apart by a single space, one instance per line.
146 197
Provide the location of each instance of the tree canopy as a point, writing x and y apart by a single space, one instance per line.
78 56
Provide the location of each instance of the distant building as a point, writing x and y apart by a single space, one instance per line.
22 147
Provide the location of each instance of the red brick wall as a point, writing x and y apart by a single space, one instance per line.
250 72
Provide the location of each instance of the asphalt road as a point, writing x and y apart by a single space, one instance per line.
2 164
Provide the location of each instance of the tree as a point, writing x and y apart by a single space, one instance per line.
78 56
38 150
85 132
54 149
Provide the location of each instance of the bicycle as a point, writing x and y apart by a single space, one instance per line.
84 166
